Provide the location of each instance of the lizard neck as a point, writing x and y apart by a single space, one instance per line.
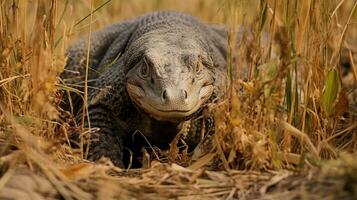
160 132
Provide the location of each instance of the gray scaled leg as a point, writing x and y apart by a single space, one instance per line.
108 141
105 45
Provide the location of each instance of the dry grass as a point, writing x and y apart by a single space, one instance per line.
297 110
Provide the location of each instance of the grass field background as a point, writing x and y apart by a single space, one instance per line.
298 108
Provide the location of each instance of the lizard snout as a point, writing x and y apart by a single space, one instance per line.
172 95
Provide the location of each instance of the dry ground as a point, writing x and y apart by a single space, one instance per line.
291 133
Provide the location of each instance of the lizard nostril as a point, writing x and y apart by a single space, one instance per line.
164 95
185 94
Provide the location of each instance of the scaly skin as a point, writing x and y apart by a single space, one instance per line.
150 74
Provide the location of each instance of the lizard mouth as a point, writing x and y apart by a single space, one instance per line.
172 115
175 112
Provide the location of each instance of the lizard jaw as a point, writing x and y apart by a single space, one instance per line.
174 113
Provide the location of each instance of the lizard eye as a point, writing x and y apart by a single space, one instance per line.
145 69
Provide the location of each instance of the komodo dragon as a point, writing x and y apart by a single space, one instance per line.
153 74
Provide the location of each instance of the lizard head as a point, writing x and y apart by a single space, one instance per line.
171 75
